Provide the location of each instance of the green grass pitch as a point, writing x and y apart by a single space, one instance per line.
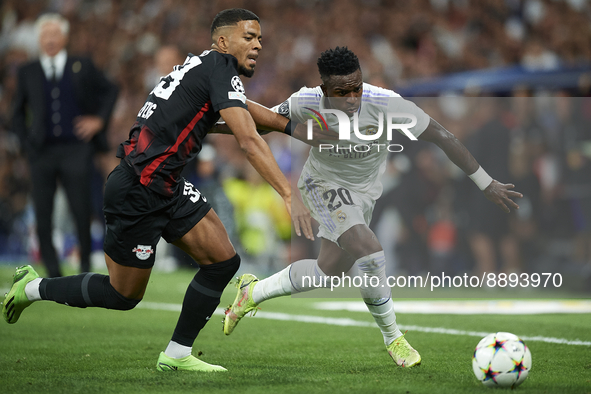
57 349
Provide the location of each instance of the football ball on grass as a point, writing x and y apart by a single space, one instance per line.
501 360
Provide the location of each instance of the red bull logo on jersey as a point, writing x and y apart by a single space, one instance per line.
143 252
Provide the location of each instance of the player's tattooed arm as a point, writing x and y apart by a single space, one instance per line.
497 192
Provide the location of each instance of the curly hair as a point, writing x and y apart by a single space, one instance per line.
231 17
338 61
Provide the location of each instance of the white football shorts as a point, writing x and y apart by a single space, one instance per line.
333 206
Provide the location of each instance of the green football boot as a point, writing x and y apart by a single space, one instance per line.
243 303
189 363
15 301
403 354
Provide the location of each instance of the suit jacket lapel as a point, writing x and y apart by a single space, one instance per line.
38 76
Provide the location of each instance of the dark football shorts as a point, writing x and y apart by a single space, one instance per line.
138 217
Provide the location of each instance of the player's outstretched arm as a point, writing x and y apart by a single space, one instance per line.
259 155
497 192
222 128
256 150
265 118
269 120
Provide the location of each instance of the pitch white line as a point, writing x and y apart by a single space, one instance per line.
346 322
480 307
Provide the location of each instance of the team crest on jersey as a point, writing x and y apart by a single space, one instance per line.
341 216
371 131
237 84
284 109
143 252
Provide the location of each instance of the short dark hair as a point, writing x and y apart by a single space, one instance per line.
338 61
231 17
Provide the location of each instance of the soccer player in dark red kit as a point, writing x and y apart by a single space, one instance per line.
146 198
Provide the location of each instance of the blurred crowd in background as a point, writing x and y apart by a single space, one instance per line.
430 216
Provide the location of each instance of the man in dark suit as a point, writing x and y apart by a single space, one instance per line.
61 109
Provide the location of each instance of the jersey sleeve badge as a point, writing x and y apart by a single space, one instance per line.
237 84
283 109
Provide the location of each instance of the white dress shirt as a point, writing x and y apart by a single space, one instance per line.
59 61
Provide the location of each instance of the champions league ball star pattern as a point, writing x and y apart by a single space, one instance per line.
501 360
237 84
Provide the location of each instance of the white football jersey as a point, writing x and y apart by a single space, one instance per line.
356 164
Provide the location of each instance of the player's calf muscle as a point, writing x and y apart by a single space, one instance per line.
85 290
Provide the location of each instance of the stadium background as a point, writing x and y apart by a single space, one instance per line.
535 55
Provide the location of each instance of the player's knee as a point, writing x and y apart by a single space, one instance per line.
127 304
120 303
364 249
359 241
335 268
114 300
222 271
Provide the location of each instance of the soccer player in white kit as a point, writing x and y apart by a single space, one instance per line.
340 183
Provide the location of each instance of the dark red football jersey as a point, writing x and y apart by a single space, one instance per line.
177 115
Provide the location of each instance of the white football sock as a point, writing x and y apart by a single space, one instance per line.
378 298
306 275
300 276
32 290
276 285
385 318
374 266
176 350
